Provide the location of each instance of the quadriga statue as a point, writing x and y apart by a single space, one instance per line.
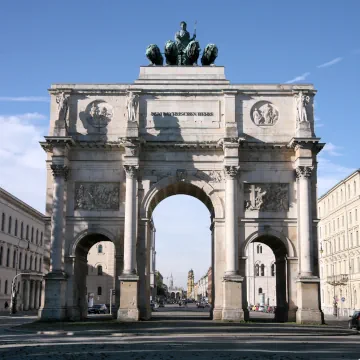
185 50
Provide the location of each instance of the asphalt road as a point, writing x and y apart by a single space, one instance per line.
168 336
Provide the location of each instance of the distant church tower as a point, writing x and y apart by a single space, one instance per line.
171 285
190 283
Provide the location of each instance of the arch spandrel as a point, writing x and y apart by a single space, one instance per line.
269 233
191 186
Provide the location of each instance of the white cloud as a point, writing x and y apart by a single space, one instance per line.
330 63
332 149
298 78
25 98
22 160
318 123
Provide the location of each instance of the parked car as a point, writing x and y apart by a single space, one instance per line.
202 305
98 309
354 322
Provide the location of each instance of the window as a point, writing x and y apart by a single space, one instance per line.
257 270
357 238
352 266
6 287
100 249
25 265
27 232
259 249
355 298
20 260
100 270
260 290
40 269
35 268
356 215
272 269
41 238
37 236
341 195
342 220
3 222
333 225
32 234
21 231
350 218
349 191
1 255
99 291
338 223
262 270
16 228
351 240
31 260
354 187
8 258
14 259
9 225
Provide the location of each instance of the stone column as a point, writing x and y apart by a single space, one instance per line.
232 281
32 294
55 280
37 290
303 174
26 299
281 312
130 220
308 285
128 310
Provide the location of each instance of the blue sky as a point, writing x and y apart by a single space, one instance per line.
44 42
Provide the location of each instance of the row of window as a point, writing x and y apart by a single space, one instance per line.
330 296
7 287
338 197
99 269
341 267
336 224
14 230
339 244
260 270
16 260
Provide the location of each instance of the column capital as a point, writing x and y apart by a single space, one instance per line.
304 171
131 171
60 170
231 171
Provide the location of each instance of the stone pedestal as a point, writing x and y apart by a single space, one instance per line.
232 301
128 310
54 302
308 301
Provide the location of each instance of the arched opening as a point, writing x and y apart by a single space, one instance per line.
266 281
184 245
91 292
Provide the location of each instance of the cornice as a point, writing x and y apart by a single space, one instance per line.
56 141
185 145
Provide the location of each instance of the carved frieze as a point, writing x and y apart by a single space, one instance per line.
99 113
266 197
159 173
264 113
97 196
211 175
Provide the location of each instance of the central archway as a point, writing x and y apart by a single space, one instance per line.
207 195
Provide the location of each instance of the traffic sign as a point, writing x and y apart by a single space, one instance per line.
342 299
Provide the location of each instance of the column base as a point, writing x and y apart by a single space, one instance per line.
291 317
232 301
308 311
128 310
54 308
217 314
145 313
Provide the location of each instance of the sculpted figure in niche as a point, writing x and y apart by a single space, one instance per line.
62 102
131 105
301 103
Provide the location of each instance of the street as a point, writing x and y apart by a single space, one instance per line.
173 333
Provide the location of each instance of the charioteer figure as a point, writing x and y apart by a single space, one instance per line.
185 50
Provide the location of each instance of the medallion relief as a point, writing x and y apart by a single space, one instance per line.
266 197
264 113
97 196
99 113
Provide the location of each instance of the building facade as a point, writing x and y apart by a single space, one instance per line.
23 257
261 275
339 246
100 279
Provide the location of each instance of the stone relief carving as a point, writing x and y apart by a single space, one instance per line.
131 106
231 171
159 174
62 105
264 113
302 102
99 114
211 175
97 196
267 197
181 174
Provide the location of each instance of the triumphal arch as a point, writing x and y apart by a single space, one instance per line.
247 151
